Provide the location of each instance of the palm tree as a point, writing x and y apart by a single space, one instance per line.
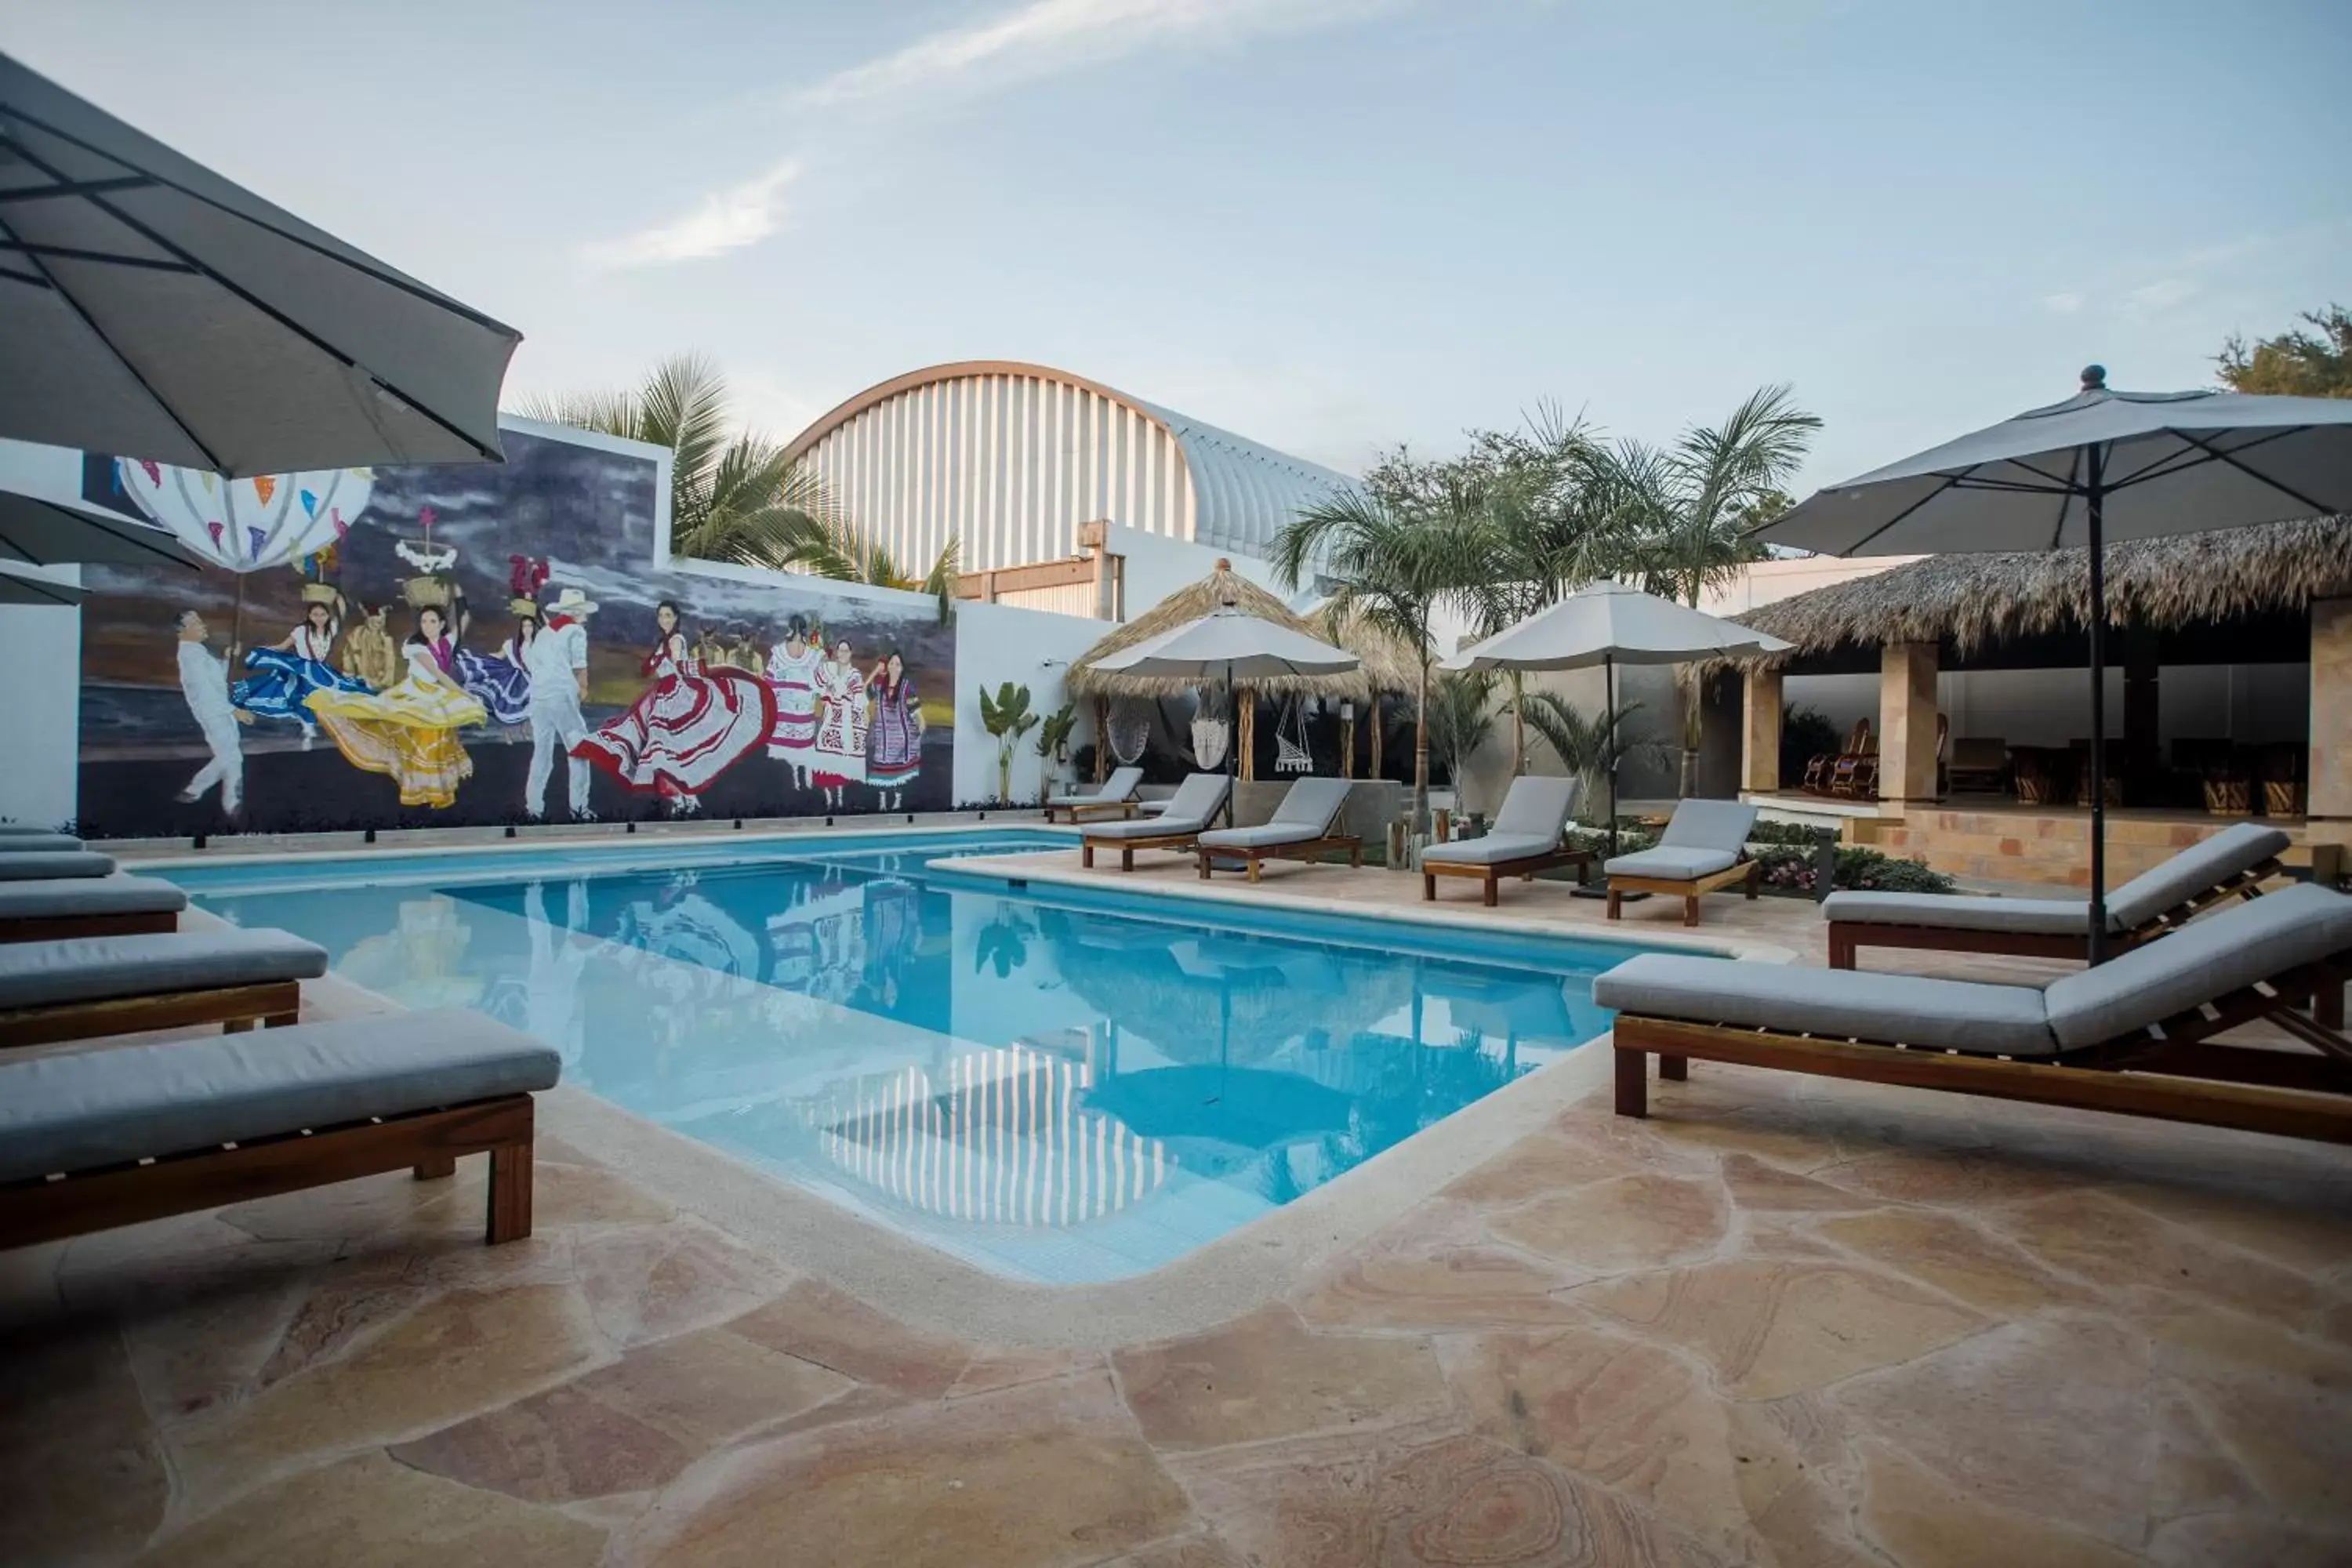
1683 509
1460 721
1587 748
1396 566
740 500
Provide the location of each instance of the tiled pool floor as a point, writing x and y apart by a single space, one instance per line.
1784 1321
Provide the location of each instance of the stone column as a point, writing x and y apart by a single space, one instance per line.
2329 801
1760 752
1906 723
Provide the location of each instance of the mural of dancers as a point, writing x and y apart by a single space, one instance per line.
409 729
689 726
894 744
793 666
840 751
556 660
204 681
287 672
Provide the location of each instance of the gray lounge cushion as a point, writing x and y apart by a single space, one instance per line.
33 842
1956 1014
86 1109
1196 800
2195 869
2203 961
36 865
1536 808
99 968
1709 825
1122 782
2039 917
1306 813
1672 863
63 897
1492 849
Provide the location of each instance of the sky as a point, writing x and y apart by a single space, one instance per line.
1332 226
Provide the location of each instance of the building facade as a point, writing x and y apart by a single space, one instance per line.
1012 460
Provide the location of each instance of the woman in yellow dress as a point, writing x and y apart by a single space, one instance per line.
409 729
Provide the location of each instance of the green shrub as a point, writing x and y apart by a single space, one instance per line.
1793 872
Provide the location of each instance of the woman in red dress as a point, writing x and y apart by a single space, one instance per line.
689 726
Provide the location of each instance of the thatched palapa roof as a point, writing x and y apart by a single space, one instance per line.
1972 601
1386 666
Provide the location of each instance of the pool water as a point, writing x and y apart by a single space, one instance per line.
1057 1085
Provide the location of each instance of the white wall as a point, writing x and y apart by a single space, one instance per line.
1156 566
997 643
42 648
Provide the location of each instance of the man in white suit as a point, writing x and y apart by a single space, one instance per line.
557 661
204 681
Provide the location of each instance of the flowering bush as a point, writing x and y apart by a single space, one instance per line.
1793 871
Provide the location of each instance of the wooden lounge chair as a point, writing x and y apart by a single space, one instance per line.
1823 767
1194 806
2231 864
2134 1035
87 905
1705 847
90 1140
1525 840
87 987
1300 829
1115 798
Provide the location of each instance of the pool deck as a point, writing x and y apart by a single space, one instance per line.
1783 1321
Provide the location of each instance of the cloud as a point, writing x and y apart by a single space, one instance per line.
725 220
1046 37
2064 304
2160 295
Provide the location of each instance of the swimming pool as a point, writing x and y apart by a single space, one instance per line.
1058 1085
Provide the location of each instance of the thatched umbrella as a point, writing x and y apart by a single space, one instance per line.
1221 587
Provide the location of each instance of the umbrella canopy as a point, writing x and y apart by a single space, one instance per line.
2103 464
50 533
1611 623
2148 465
151 309
1231 646
16 588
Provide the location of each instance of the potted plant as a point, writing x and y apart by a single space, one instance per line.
1054 746
1007 717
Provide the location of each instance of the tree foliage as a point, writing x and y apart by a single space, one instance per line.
2296 363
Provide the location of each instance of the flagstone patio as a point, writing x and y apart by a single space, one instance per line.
1783 1321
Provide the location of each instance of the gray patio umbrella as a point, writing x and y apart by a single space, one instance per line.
1232 642
2102 465
151 309
48 533
22 588
1609 624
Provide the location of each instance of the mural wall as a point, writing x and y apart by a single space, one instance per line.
481 645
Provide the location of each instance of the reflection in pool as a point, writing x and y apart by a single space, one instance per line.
1063 1088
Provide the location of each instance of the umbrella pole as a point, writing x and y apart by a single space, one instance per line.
1609 742
2095 491
1233 743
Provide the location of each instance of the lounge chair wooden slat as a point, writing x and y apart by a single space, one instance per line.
60 927
231 1006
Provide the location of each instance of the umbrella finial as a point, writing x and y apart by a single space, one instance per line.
2094 378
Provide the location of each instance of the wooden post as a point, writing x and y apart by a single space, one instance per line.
1246 734
1759 757
2143 752
1102 739
2328 786
1379 759
1348 740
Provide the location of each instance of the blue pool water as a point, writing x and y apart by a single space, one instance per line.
1054 1084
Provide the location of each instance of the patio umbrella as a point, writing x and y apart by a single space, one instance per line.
2101 464
151 309
19 588
1238 645
1609 624
50 533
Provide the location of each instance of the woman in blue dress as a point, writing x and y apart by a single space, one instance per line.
286 674
499 681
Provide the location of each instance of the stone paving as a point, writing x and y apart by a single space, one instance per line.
1783 1322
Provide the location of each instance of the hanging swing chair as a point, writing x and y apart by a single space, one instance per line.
1130 731
1210 734
1291 752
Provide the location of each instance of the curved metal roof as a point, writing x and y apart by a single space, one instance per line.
1244 491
